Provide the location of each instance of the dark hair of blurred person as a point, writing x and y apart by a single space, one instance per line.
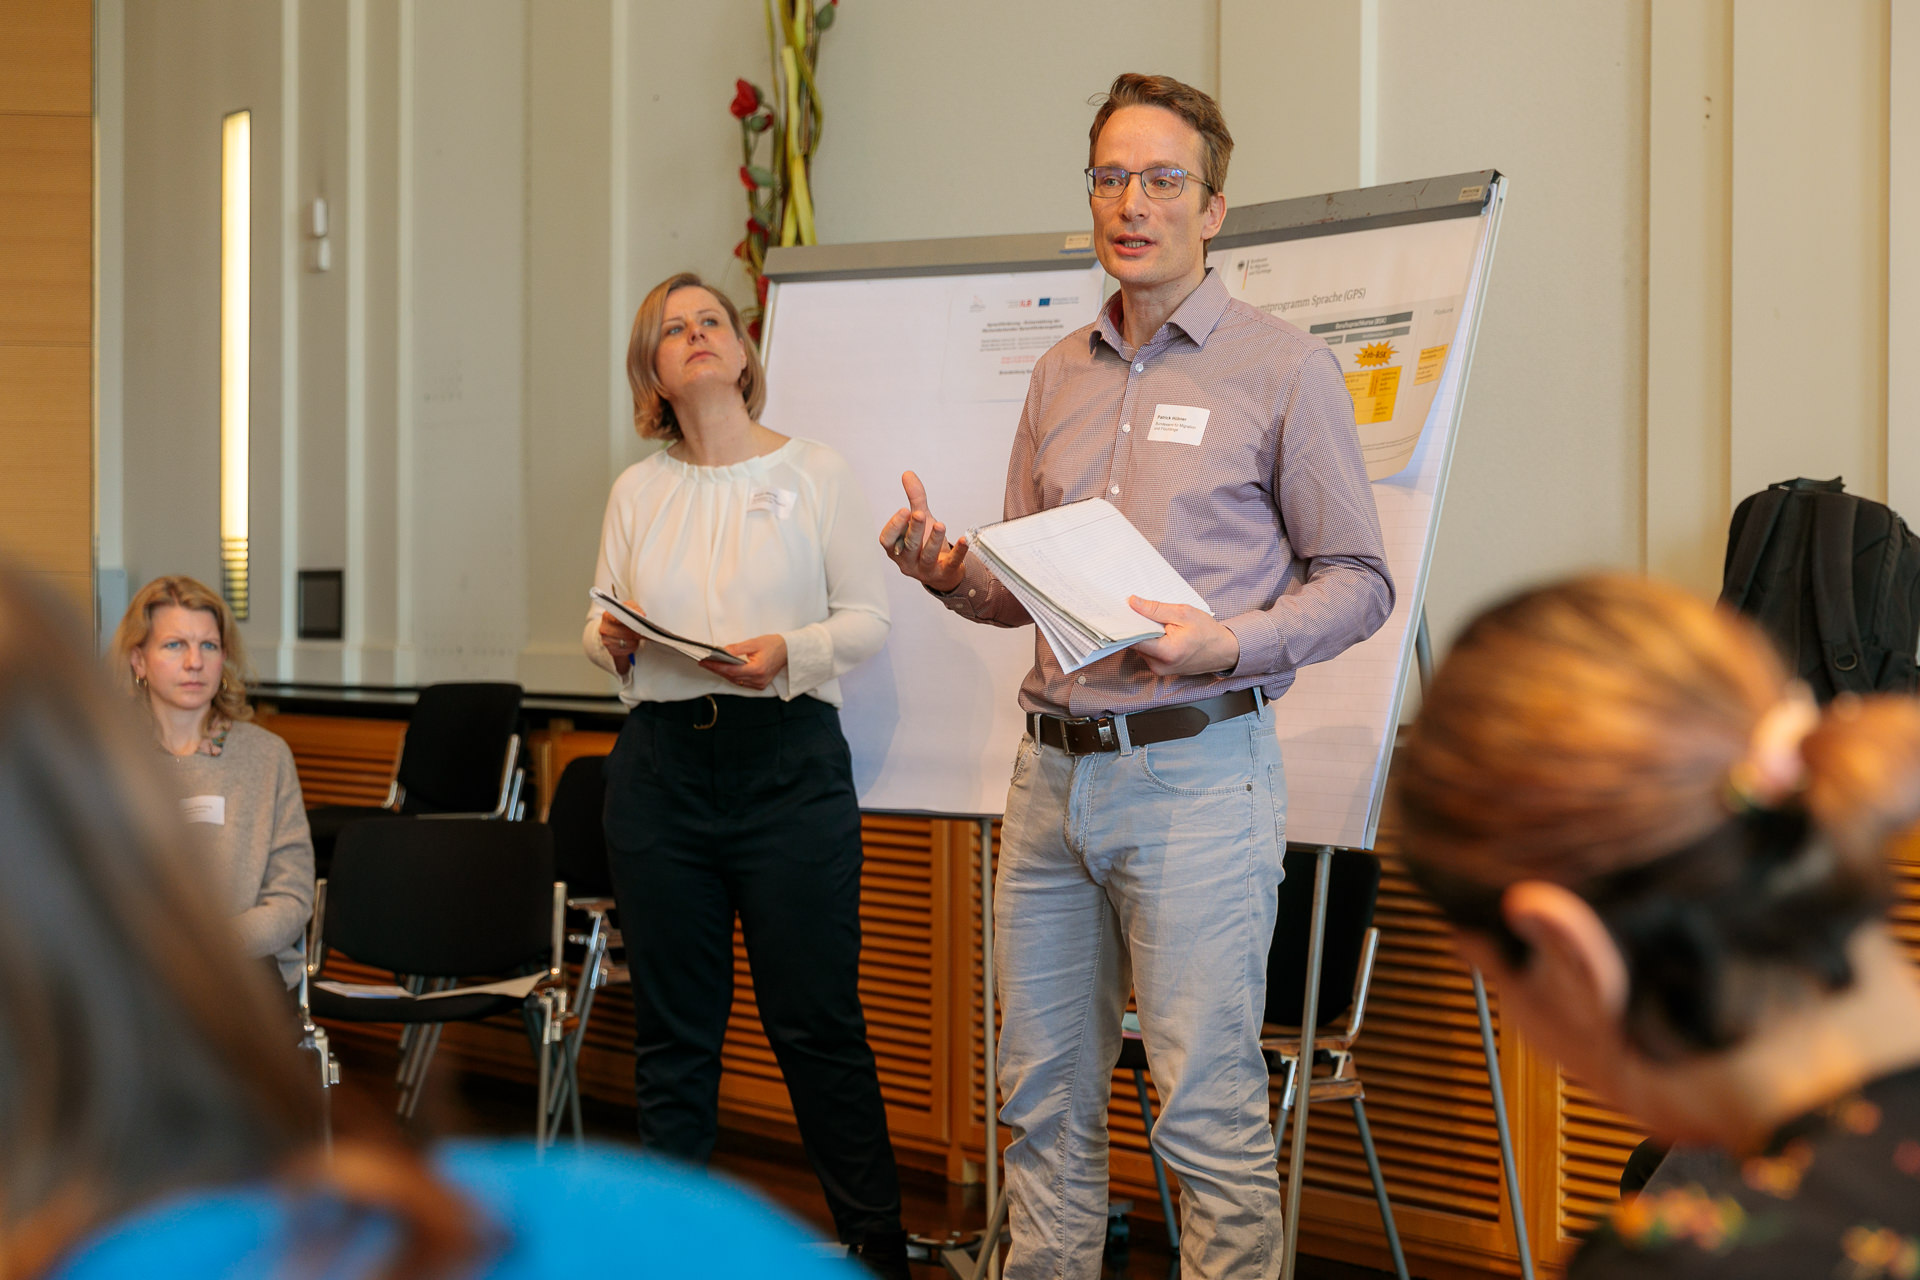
138 1055
1673 866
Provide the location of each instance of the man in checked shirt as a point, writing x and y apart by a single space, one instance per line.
1146 819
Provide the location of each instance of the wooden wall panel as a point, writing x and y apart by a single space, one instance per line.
46 291
46 56
46 229
46 456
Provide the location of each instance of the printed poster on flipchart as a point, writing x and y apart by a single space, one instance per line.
998 327
1386 301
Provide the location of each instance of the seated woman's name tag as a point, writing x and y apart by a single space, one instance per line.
208 809
778 501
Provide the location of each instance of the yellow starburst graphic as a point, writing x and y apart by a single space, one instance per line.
1375 354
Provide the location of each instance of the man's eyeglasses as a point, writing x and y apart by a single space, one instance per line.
1105 182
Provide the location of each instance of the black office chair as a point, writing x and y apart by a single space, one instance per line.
1350 943
576 817
438 902
460 758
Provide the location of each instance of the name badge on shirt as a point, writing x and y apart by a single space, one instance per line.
778 501
210 809
1180 423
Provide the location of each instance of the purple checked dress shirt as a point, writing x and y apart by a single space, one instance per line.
1268 513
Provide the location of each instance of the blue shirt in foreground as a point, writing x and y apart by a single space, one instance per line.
597 1212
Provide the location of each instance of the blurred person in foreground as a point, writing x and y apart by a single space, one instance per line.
178 655
158 1120
1673 866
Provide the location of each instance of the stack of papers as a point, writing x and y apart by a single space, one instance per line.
698 650
1073 567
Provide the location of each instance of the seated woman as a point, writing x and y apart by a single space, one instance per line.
1673 867
178 653
157 1122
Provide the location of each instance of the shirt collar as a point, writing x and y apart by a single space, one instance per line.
1196 315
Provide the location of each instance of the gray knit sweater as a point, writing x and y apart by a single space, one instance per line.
259 855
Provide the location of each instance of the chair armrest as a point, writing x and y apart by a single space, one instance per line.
592 906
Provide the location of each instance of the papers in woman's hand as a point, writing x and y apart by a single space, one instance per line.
698 650
1073 567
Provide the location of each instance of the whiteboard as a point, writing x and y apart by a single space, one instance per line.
865 350
875 368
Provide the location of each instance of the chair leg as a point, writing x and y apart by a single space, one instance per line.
1379 1189
428 1041
544 1051
1159 1166
314 1040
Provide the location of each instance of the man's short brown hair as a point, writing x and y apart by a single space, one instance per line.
1196 107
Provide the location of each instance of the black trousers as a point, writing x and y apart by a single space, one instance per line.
756 815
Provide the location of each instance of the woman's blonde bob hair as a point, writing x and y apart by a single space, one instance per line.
652 415
136 628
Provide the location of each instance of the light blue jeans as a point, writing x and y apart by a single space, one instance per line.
1152 869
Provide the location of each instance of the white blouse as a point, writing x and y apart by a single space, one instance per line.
781 543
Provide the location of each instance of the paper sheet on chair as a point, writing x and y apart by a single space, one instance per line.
518 988
1073 567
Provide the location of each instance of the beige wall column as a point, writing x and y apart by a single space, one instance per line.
1809 384
1689 300
1296 87
1903 260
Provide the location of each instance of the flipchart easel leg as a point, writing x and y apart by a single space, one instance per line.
1309 1017
1423 655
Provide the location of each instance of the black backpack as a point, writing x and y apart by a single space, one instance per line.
1834 579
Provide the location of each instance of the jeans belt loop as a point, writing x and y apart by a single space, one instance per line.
1120 731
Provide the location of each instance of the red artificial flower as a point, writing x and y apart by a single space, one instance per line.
740 251
753 329
760 291
754 228
746 100
746 177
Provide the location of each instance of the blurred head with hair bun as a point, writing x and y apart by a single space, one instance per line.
1661 851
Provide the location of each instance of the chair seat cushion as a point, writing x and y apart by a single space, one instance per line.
339 1008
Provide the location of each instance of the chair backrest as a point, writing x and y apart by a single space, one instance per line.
577 819
448 898
1353 887
456 747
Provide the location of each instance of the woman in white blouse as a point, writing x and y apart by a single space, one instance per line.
731 787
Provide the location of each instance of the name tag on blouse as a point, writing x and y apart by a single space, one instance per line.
208 809
1179 423
778 501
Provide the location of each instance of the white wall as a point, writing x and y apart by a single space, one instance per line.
441 413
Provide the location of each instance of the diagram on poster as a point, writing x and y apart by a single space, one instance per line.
1387 301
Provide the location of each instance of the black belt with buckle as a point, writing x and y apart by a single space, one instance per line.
1089 735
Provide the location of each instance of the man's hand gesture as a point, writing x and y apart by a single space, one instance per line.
918 544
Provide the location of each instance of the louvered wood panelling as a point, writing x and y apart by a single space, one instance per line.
1595 1141
340 760
903 908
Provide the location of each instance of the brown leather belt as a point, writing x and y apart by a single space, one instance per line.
1089 735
